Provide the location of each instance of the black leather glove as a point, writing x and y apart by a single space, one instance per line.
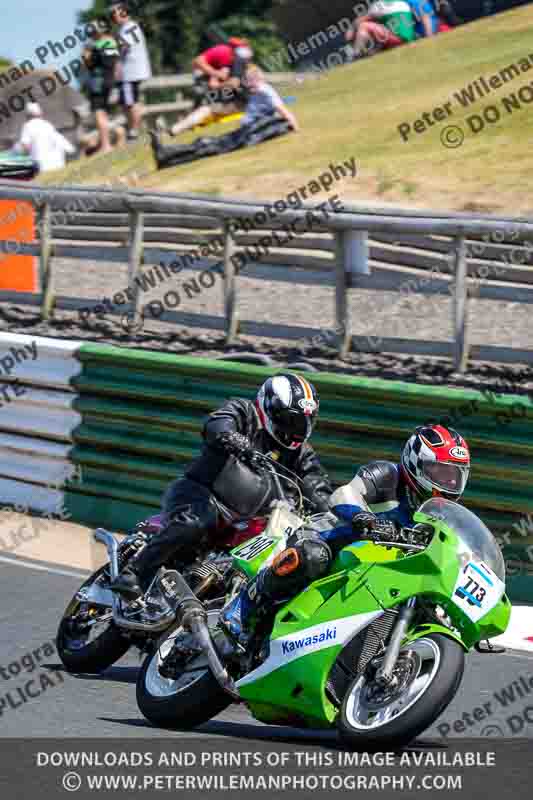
236 444
363 522
367 524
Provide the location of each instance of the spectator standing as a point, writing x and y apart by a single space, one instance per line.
40 140
388 23
134 64
101 60
218 76
426 20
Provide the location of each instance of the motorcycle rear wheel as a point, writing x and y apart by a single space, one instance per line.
429 673
90 656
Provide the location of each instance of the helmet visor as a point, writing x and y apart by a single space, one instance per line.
291 427
451 478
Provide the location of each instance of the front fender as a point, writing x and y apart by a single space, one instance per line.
427 628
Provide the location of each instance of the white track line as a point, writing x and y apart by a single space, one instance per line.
18 562
519 634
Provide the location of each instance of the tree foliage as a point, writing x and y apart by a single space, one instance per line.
176 30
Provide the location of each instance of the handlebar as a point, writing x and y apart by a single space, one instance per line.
259 459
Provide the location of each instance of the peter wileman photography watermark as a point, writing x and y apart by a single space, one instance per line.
47 53
519 253
23 529
151 277
505 714
196 769
10 392
26 678
503 413
452 136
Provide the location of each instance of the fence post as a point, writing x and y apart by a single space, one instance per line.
45 261
356 253
460 305
342 312
135 255
230 286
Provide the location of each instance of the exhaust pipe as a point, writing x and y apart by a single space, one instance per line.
187 609
103 536
195 620
107 538
191 614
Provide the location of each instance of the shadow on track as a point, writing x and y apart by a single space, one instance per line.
111 675
278 734
251 731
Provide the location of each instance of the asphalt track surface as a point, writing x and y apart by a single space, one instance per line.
33 598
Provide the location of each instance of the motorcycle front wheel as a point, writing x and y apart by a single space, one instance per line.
427 676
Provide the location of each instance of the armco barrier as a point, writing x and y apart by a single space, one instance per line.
410 251
140 414
37 420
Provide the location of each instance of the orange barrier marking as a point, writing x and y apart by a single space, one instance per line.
17 224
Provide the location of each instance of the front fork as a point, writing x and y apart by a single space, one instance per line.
385 673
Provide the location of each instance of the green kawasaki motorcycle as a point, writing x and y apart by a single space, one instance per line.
376 648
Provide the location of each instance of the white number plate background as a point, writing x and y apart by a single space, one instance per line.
477 589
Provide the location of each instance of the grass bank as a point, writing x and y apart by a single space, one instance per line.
356 110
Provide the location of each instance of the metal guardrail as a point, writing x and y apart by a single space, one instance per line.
186 81
408 252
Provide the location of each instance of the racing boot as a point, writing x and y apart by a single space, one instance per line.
180 538
128 583
242 614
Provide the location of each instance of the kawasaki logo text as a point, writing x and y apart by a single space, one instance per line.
299 644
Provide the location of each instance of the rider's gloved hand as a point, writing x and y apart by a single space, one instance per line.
236 444
364 522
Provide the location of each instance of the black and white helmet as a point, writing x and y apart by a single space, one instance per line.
288 408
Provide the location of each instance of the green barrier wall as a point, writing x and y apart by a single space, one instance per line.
142 414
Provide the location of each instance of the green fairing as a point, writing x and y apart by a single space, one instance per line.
364 578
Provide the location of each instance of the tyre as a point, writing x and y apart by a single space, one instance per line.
78 647
429 672
190 697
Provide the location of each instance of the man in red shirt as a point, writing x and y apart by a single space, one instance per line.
217 73
216 62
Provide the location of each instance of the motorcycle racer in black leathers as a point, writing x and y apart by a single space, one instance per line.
279 422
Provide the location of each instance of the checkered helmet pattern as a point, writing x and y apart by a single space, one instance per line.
436 462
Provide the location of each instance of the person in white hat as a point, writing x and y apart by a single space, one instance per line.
40 140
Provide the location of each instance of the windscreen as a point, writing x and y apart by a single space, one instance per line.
473 532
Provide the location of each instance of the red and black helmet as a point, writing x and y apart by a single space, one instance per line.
436 463
288 408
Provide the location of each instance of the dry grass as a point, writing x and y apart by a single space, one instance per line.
356 110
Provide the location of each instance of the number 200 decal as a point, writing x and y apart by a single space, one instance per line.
253 548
